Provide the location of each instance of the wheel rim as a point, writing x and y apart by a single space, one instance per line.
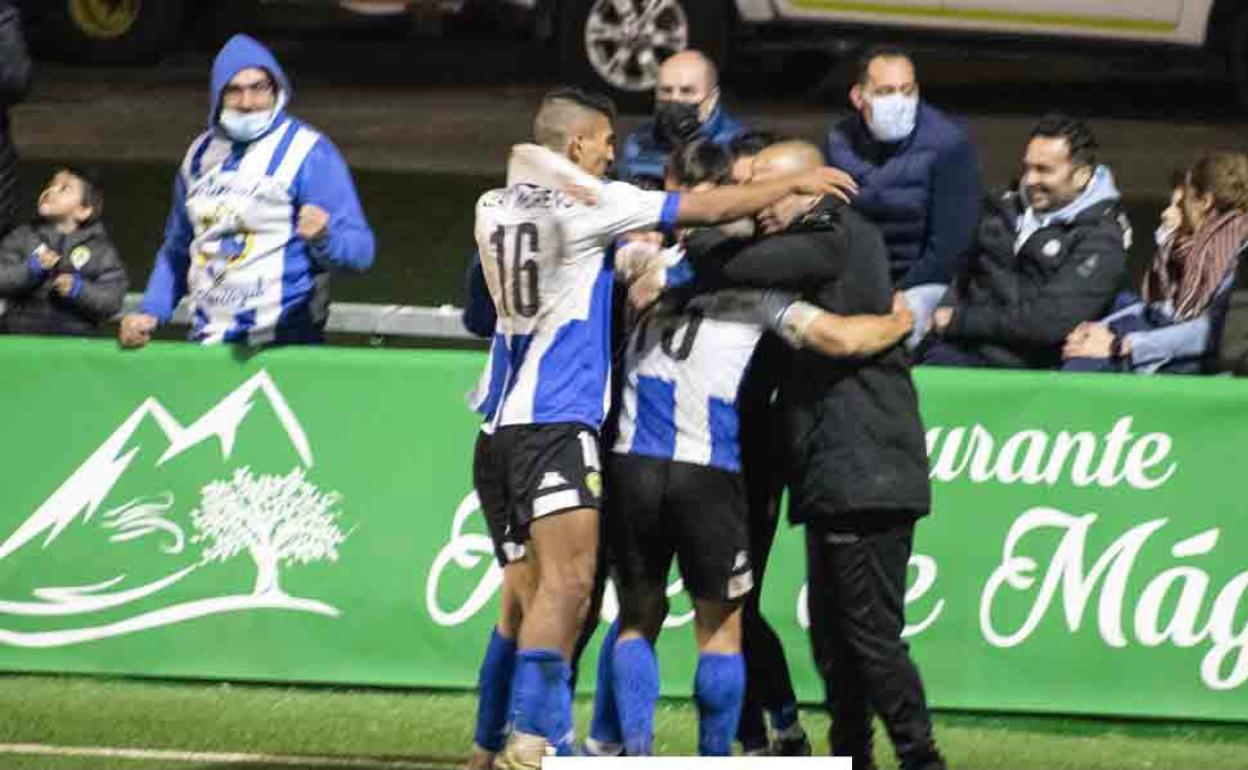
105 19
626 40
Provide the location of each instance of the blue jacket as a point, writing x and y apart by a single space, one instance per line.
923 193
645 153
480 315
214 163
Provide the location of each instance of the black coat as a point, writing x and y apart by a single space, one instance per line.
1232 331
33 307
14 81
854 436
1016 309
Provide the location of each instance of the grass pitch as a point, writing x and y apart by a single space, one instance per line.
380 729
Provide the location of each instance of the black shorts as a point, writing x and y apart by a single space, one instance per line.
524 472
658 509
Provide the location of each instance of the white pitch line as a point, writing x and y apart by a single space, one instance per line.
221 758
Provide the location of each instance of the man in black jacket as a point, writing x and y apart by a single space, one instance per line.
14 80
856 458
1046 259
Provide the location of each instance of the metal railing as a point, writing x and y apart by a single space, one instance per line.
364 318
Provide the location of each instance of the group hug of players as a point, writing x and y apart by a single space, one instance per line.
724 279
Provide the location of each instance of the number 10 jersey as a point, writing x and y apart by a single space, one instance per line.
547 259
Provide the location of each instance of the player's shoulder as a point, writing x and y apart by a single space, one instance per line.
494 198
526 199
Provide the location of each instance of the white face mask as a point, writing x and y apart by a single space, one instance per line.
1163 234
893 117
246 126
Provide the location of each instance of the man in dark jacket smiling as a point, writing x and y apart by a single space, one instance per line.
1046 258
857 460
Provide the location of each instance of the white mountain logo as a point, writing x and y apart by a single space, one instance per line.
278 520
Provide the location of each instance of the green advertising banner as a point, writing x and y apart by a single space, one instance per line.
307 515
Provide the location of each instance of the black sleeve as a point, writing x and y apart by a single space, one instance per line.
1233 335
14 58
787 261
1080 290
15 275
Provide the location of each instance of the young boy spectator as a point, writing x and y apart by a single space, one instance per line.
60 274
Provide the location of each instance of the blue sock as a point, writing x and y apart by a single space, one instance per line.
605 725
494 692
543 702
564 732
636 673
718 688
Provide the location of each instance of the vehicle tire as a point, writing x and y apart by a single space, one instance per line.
602 49
110 31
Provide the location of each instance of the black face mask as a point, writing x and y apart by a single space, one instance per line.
677 122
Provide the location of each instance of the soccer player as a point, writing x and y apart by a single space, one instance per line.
676 489
545 255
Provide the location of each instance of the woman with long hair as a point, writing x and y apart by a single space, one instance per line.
1170 328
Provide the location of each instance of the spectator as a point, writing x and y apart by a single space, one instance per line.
1045 259
263 207
14 81
917 174
686 107
60 274
1169 329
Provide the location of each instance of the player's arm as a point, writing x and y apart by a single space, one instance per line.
803 325
725 204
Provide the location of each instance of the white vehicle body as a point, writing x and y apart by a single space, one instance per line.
1183 22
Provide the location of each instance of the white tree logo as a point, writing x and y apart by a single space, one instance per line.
279 521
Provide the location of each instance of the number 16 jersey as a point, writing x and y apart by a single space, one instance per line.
547 259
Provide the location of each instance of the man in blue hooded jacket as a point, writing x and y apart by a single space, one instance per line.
917 174
263 207
686 107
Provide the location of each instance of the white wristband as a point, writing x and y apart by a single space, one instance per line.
794 322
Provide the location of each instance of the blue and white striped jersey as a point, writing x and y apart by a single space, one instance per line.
242 214
683 376
547 262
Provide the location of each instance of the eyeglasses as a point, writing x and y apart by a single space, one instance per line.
258 88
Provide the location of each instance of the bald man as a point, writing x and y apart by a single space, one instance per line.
686 107
856 457
544 392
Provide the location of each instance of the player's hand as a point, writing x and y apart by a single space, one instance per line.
826 181
902 312
136 330
47 257
941 318
63 284
645 290
313 222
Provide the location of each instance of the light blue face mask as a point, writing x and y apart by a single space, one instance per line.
893 117
245 126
